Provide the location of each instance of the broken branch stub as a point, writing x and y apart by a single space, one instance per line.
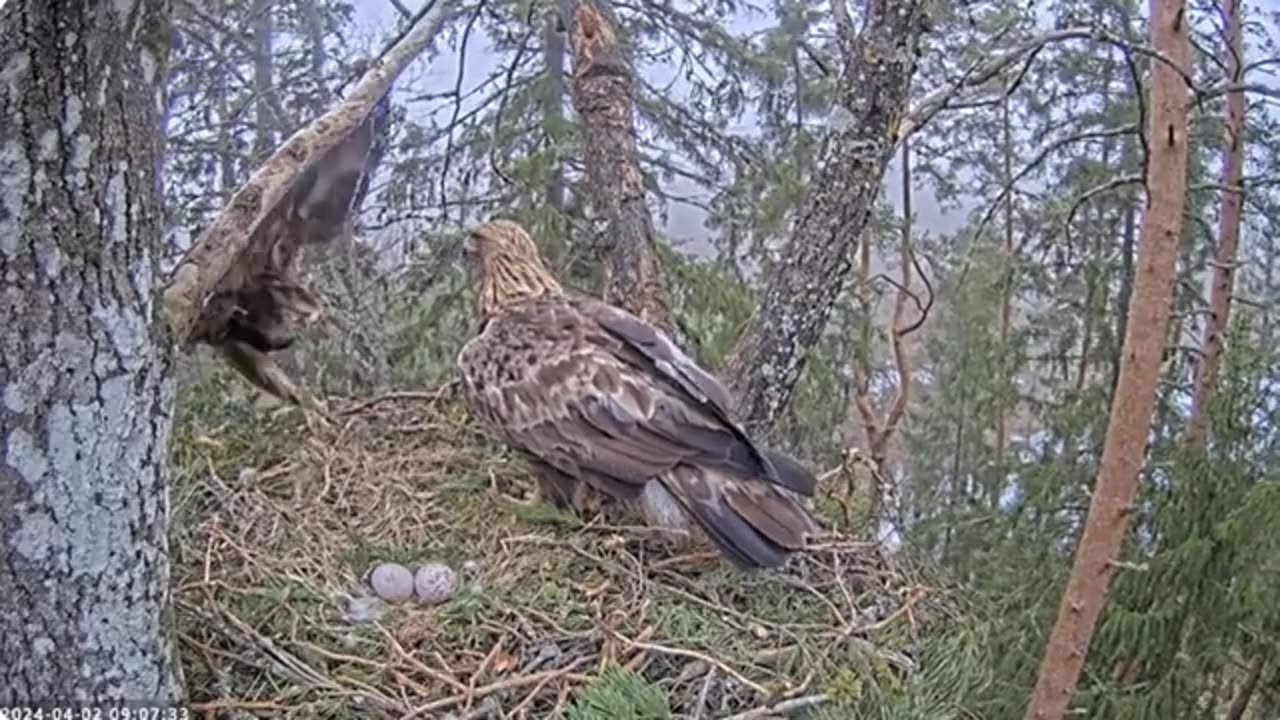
205 267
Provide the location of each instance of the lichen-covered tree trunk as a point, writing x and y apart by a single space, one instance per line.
1124 449
803 285
602 87
85 359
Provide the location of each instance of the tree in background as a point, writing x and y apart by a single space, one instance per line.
86 363
1125 446
1024 121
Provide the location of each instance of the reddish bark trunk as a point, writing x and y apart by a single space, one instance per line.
1134 400
1228 234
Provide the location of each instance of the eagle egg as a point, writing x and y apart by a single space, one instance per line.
433 583
392 582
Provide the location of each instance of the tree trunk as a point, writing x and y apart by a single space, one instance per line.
1125 293
86 361
553 50
310 11
263 83
1228 234
804 284
602 87
1006 301
1134 400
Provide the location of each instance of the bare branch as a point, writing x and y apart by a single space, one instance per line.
508 82
1040 158
457 103
1091 193
983 71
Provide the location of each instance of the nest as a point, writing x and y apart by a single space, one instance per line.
275 528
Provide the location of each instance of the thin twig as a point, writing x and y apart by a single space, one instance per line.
693 655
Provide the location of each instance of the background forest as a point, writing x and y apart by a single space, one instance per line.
959 388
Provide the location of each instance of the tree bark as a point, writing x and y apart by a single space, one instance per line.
602 97
85 360
1223 275
1006 299
1134 400
803 285
263 82
553 51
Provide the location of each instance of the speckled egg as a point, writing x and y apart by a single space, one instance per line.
434 583
392 582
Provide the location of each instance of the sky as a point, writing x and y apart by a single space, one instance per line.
684 223
374 18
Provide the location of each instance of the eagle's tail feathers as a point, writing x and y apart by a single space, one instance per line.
754 524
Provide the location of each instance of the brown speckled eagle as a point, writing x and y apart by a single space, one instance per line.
600 400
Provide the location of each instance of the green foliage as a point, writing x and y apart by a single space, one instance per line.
1195 595
619 694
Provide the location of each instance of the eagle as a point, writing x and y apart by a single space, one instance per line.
255 306
600 401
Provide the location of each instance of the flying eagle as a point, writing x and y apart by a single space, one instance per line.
253 310
599 400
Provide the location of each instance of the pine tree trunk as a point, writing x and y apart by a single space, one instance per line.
85 359
553 51
263 82
602 96
1131 407
803 285
310 10
1006 303
1224 258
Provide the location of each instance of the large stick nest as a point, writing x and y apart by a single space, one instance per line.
275 531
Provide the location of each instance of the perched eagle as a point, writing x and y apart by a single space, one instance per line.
599 400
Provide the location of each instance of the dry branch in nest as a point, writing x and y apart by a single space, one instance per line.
235 288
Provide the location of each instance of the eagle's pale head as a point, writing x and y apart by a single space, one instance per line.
511 266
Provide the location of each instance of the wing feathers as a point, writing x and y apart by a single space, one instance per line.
703 494
597 396
776 516
791 474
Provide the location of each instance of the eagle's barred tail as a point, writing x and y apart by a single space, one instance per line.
754 524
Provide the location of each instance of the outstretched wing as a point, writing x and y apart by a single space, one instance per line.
256 304
316 209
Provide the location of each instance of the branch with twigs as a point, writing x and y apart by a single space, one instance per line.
880 429
986 70
1038 160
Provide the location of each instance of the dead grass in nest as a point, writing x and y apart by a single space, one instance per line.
275 529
